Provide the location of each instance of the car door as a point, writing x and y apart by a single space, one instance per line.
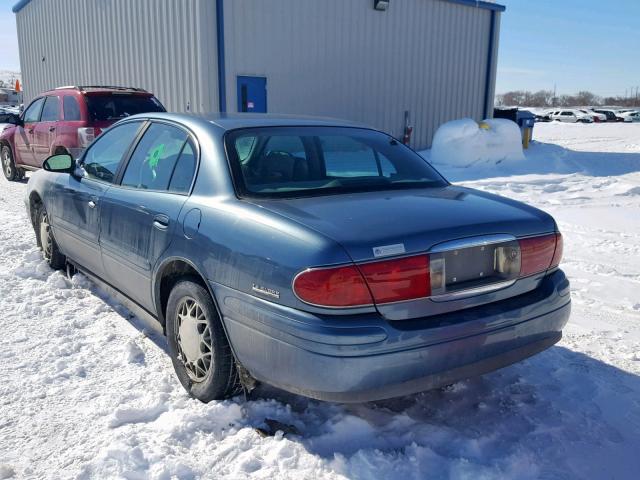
44 131
24 134
567 116
139 216
77 198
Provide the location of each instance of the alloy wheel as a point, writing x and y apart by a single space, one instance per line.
45 237
194 339
6 163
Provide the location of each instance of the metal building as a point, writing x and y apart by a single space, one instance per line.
364 60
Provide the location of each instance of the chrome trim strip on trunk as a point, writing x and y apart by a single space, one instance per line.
472 242
470 292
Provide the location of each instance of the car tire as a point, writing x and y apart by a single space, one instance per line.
11 172
50 251
198 346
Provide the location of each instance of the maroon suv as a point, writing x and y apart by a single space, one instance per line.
66 120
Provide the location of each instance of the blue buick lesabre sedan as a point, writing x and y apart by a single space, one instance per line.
322 257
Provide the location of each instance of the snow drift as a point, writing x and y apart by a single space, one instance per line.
463 143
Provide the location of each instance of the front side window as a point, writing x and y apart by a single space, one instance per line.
32 114
105 154
71 108
297 161
154 160
50 110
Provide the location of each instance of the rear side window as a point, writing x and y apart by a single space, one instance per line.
50 110
71 108
116 106
155 158
244 147
105 153
32 114
184 171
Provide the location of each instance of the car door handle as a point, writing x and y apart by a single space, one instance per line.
30 130
52 129
161 222
92 204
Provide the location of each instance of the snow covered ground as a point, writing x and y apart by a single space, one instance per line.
85 393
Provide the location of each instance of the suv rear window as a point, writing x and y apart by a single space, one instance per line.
113 107
299 161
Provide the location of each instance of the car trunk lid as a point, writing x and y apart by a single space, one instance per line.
467 230
370 225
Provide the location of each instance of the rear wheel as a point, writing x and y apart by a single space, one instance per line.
11 172
50 251
198 346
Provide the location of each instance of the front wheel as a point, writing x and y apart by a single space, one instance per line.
50 251
198 346
11 172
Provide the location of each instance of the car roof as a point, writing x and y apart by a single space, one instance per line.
96 89
232 121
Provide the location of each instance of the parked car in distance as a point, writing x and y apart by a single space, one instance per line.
631 116
571 116
66 120
625 114
610 114
7 120
597 117
10 109
319 256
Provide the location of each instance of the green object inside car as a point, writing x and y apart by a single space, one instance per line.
154 158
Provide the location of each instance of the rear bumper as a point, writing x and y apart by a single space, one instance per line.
364 357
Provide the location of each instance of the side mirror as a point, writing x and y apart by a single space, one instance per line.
60 163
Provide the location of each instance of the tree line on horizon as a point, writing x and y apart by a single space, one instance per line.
546 98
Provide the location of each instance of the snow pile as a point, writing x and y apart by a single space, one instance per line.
462 143
86 393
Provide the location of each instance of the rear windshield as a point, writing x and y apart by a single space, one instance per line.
114 107
299 161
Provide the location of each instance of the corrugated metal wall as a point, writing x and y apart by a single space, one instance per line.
344 59
338 58
165 46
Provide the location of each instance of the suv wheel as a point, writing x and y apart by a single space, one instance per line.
198 345
50 251
11 172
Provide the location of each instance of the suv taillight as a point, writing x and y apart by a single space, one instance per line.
418 276
86 135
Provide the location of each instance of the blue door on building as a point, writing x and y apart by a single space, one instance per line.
252 94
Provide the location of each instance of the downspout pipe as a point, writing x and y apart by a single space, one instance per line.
490 62
222 87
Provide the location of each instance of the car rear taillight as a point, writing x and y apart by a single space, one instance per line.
87 135
557 255
398 280
333 287
540 253
428 275
365 284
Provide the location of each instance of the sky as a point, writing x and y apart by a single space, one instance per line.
9 59
572 44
